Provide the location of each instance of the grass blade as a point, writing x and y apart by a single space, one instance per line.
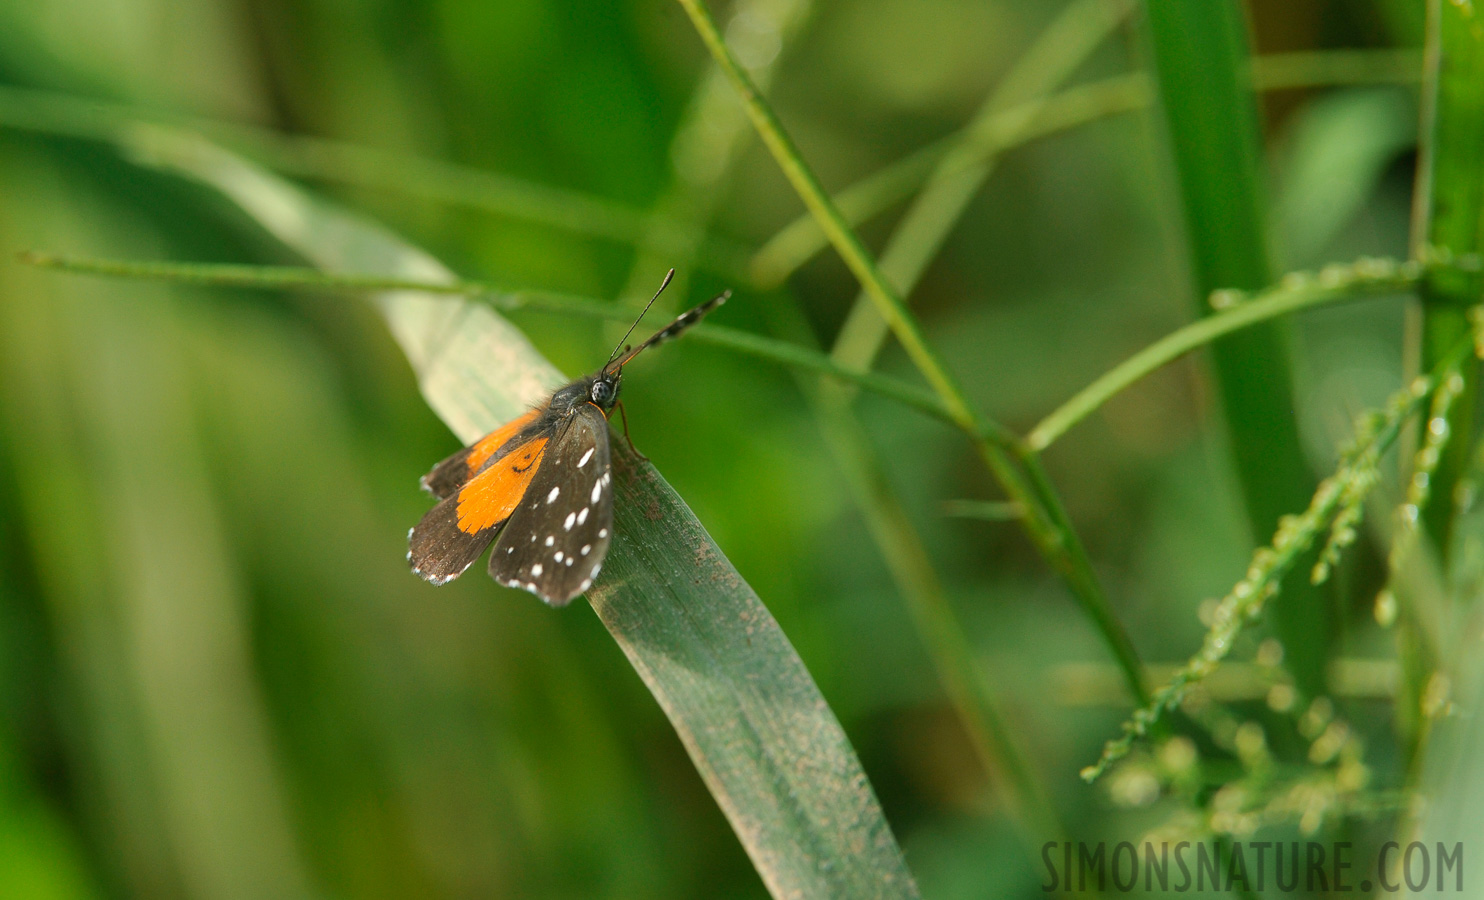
767 745
1446 225
1199 50
1450 198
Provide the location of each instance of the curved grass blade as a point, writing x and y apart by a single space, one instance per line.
754 723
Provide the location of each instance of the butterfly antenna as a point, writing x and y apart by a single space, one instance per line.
674 329
663 284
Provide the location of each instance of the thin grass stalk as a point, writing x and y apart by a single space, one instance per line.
856 257
1416 593
501 298
1447 222
1236 310
1295 292
1076 32
994 444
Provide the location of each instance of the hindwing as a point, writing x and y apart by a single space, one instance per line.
555 541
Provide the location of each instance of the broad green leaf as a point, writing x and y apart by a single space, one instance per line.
754 723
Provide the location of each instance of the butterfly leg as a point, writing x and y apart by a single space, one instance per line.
625 417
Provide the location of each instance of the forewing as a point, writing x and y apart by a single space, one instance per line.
556 540
453 533
451 474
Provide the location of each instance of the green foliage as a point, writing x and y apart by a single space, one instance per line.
217 678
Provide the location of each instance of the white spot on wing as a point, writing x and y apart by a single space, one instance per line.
602 532
536 569
551 497
585 457
586 548
558 556
571 517
597 490
582 515
586 583
550 539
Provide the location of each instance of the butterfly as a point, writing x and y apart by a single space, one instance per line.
540 482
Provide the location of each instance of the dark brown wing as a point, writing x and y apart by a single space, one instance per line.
453 533
555 541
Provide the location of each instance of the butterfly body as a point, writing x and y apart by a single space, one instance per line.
539 487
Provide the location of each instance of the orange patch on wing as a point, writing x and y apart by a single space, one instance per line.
492 495
486 446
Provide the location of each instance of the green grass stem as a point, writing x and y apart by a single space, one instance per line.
502 298
994 444
1298 291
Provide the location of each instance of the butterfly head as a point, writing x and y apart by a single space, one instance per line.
604 389
600 389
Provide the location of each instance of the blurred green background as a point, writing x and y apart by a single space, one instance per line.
217 677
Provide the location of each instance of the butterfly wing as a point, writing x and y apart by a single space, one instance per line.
453 533
451 474
556 540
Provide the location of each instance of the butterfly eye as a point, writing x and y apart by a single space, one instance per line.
603 392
